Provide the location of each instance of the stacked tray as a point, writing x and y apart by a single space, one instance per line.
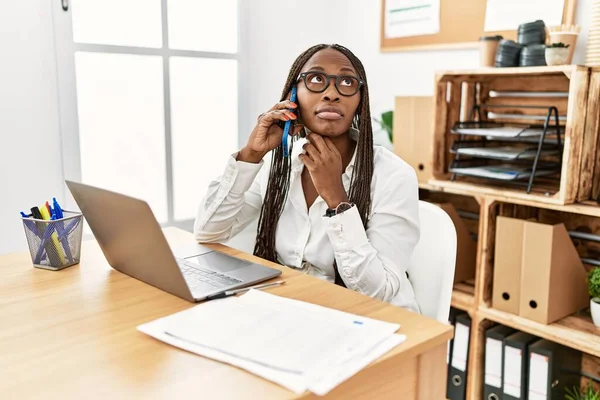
506 152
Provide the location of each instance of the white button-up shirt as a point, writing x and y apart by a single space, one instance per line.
372 261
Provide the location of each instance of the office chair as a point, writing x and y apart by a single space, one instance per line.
431 268
245 240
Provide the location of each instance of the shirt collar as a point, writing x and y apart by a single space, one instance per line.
297 164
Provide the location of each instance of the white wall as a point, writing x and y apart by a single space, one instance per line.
30 160
29 123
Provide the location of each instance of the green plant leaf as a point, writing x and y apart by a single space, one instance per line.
593 280
573 393
387 123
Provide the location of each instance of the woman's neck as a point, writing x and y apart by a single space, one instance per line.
345 145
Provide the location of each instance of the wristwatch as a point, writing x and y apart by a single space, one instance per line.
339 209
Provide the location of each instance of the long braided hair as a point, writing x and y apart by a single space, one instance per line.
279 177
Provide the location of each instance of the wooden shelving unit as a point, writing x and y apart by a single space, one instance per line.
572 202
576 331
463 297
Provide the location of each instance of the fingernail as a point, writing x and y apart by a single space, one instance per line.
293 104
293 116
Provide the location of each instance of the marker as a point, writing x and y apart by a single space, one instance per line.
57 209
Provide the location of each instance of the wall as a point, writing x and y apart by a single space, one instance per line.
30 160
271 46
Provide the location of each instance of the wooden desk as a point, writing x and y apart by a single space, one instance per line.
72 334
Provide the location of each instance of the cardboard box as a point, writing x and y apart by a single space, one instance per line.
466 247
553 279
507 264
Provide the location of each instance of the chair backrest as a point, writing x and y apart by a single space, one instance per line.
431 268
244 240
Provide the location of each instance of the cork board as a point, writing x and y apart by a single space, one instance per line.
461 25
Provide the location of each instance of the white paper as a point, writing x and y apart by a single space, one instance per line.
505 15
411 18
194 329
493 362
512 371
538 377
503 152
461 347
502 131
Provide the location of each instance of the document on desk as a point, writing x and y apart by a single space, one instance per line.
298 345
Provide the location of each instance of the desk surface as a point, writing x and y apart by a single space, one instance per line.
74 332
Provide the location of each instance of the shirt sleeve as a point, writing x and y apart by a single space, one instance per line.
232 201
373 261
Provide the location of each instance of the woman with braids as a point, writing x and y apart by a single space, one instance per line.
338 207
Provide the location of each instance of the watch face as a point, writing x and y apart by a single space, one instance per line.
343 207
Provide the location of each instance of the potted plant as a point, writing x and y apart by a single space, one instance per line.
557 53
577 394
386 122
593 280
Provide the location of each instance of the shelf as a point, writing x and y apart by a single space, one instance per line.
463 297
502 153
481 189
575 331
566 69
504 172
587 208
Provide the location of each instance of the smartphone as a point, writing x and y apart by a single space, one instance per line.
287 126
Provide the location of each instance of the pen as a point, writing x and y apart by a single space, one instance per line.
30 224
229 293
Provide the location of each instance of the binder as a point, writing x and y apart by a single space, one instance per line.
494 356
551 367
457 383
516 365
454 312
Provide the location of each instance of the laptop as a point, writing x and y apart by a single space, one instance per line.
133 243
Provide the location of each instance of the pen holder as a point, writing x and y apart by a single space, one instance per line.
54 244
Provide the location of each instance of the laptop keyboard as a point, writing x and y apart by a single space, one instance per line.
201 280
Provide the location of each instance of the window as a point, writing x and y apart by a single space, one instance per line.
155 89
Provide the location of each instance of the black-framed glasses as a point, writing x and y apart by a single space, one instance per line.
318 82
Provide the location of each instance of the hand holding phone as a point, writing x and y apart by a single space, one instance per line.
270 130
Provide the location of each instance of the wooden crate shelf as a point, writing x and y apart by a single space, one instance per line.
575 331
574 200
458 91
463 297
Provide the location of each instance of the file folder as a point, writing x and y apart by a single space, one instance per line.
494 356
516 365
549 366
507 264
457 383
553 277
